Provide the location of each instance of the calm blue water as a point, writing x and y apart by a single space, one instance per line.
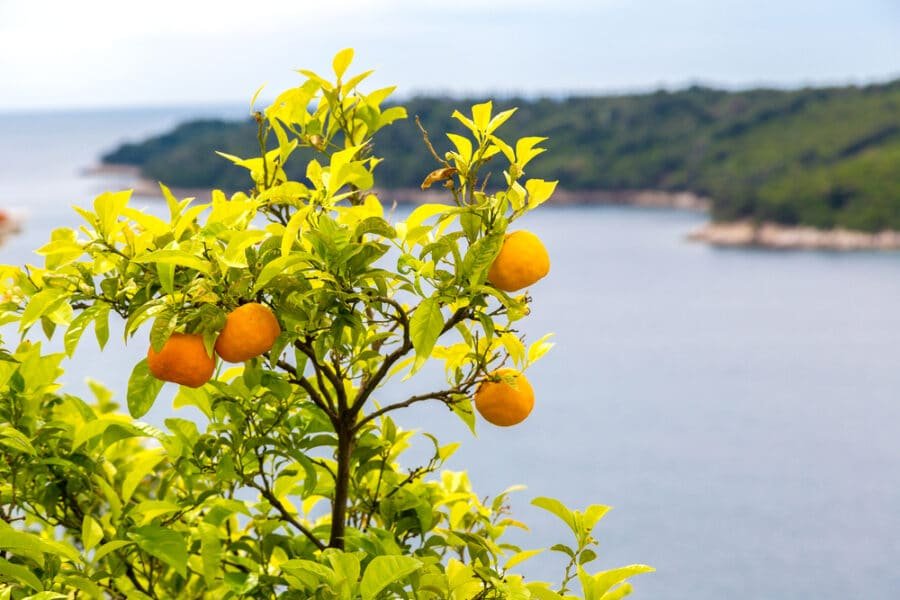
738 409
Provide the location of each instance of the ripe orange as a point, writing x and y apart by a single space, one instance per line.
250 330
522 261
505 402
182 360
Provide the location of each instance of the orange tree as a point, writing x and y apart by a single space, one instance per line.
290 484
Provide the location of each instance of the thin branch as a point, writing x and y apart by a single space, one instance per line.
322 369
303 382
428 144
287 516
445 396
370 384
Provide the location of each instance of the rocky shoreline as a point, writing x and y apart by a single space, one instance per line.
781 237
741 234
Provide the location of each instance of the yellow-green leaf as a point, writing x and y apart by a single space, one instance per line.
383 571
175 257
341 61
91 532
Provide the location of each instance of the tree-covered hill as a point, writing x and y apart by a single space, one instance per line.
823 157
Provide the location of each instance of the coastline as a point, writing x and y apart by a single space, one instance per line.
642 198
737 234
745 234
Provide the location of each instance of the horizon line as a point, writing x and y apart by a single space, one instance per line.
641 90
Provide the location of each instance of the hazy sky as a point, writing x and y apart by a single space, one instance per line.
74 53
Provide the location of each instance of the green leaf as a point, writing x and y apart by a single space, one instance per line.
480 256
463 409
301 566
143 388
604 581
341 61
22 544
110 547
619 592
383 571
91 532
85 585
539 348
539 191
210 552
520 557
481 115
235 255
541 591
165 544
15 439
77 327
279 266
559 509
500 119
148 510
20 574
142 313
375 225
101 324
425 328
166 273
293 228
592 516
42 303
162 329
346 570
175 257
108 206
463 147
139 468
563 549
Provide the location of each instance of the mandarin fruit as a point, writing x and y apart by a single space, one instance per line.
182 360
507 401
522 261
250 330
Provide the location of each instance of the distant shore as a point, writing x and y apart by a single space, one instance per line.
643 198
783 237
742 234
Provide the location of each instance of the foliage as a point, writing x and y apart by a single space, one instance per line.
822 157
291 484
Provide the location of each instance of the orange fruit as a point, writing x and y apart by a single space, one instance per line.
182 360
506 401
250 330
522 261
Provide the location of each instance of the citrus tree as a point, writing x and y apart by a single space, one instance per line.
281 312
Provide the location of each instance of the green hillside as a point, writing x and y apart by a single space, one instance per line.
823 157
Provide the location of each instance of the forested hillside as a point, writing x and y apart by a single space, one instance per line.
822 157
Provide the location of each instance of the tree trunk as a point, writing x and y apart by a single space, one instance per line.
341 488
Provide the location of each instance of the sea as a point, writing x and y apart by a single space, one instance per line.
739 409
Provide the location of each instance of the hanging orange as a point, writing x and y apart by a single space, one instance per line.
506 401
522 261
182 360
250 330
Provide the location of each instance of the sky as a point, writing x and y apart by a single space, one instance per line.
57 54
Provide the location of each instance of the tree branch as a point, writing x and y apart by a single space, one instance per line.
304 383
445 396
287 516
323 369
